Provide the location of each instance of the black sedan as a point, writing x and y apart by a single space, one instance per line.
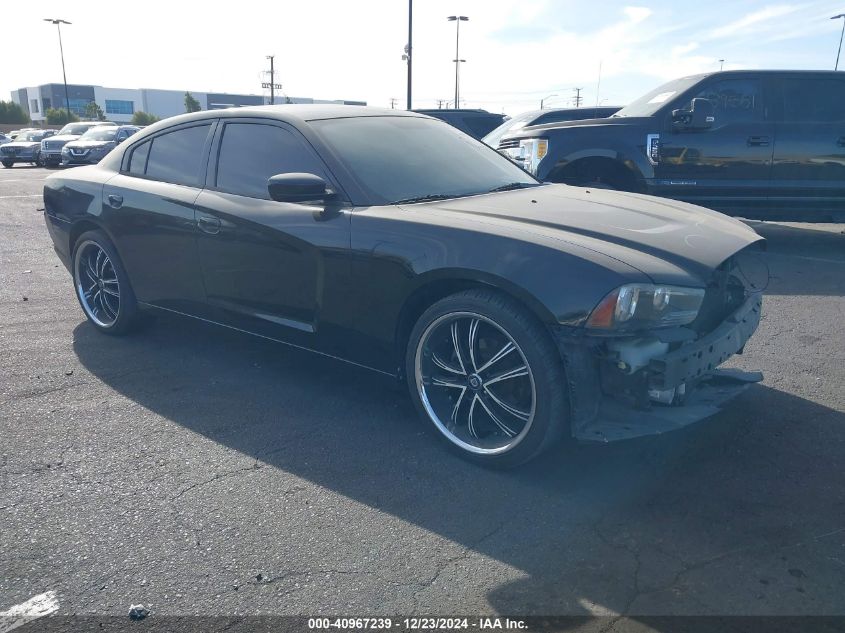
93 145
518 313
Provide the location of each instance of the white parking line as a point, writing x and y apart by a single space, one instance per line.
36 607
2 180
34 195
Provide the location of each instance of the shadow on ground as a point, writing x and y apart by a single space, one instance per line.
709 519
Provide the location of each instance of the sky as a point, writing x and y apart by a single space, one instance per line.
518 51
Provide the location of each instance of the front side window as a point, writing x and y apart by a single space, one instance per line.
813 100
177 156
99 134
250 153
734 100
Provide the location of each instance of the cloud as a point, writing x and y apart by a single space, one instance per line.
753 21
637 14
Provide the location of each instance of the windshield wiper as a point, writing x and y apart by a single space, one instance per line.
513 185
426 198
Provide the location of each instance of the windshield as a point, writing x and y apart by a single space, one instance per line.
99 134
23 137
652 101
75 129
400 158
511 125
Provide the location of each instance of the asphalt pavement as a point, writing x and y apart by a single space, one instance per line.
201 471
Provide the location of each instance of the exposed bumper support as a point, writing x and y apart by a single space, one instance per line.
598 417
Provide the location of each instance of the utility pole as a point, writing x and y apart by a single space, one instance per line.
841 35
721 65
409 47
578 97
58 24
392 103
457 19
272 80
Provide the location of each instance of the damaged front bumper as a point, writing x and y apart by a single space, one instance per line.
665 390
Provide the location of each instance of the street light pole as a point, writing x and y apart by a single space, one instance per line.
839 50
721 65
457 19
409 47
58 24
272 80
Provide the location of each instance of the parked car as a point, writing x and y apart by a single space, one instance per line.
4 139
476 123
763 144
51 151
14 133
91 147
541 117
517 312
26 148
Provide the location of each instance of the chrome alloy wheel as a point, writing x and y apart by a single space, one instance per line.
475 383
97 285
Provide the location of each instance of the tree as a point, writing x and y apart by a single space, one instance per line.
93 111
60 116
144 118
191 104
11 112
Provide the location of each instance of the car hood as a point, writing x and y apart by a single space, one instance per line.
621 121
670 241
65 138
89 144
23 144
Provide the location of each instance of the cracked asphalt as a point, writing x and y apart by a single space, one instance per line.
200 471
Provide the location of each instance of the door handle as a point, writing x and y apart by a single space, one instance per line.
758 141
115 201
841 141
208 225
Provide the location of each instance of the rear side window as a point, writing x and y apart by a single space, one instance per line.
250 153
481 126
813 100
138 159
734 100
177 156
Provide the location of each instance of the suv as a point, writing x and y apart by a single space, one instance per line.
761 144
26 148
91 147
476 123
51 151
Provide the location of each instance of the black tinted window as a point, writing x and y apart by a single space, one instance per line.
734 100
250 153
480 126
138 159
176 156
813 100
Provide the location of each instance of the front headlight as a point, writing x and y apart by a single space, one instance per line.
43 145
65 150
533 150
642 306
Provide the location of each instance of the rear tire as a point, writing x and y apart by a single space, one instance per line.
8 163
102 286
485 374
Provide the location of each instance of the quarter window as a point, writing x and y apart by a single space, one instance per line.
734 100
250 153
138 159
177 156
813 100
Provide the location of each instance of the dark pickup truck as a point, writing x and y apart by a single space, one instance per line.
761 144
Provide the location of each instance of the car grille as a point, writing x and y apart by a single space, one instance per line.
9 151
508 143
78 152
53 144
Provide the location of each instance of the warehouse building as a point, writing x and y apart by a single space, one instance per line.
119 104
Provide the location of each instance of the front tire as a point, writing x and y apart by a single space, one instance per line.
484 372
8 163
102 286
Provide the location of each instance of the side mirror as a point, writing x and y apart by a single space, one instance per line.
699 117
297 187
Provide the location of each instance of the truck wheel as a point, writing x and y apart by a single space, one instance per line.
8 163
